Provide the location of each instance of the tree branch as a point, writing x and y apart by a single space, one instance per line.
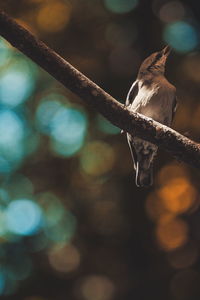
178 145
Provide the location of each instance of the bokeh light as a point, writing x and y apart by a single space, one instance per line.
45 112
181 35
68 124
97 158
52 207
63 231
3 224
68 130
105 126
5 52
65 125
64 258
11 138
174 169
171 232
19 186
4 197
17 82
98 287
54 16
172 11
11 127
120 6
178 195
23 217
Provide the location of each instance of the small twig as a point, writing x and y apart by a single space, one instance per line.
178 145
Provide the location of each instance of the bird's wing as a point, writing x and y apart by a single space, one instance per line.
132 149
143 154
174 107
132 93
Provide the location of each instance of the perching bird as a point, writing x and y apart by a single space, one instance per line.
153 96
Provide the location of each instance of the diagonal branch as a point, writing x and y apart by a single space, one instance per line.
179 146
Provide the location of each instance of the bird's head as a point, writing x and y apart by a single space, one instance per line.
155 63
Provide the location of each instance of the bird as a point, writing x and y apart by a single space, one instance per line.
152 95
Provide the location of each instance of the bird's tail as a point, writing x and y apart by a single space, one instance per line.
144 176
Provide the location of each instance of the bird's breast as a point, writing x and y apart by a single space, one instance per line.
154 102
144 95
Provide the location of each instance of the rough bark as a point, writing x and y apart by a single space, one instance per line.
178 145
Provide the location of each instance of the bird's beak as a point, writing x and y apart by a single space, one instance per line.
166 51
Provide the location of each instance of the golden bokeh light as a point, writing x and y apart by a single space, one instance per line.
53 16
64 258
171 232
178 195
170 171
97 287
97 158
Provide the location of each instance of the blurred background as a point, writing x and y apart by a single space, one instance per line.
72 223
